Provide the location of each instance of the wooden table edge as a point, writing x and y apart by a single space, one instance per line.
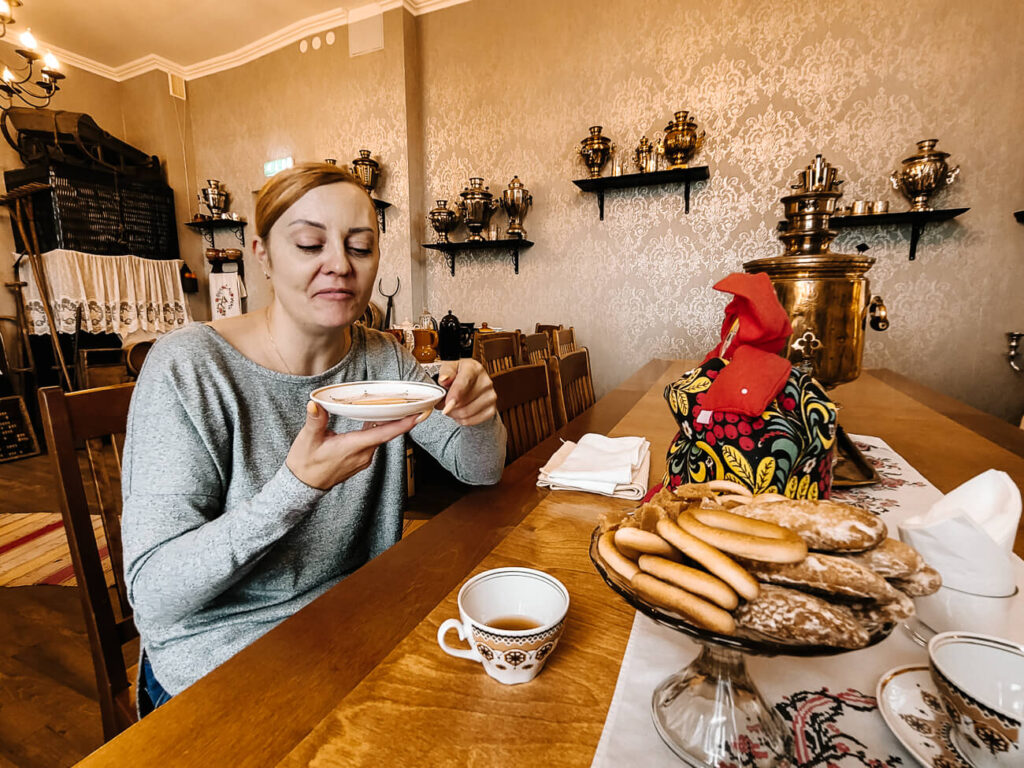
249 685
992 428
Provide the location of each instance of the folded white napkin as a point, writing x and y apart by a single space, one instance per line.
611 466
967 535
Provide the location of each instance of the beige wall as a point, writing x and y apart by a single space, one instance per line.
494 88
158 123
510 88
311 106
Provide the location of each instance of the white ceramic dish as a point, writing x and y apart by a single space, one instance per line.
348 399
909 703
980 680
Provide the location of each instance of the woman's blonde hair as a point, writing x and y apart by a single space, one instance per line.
284 189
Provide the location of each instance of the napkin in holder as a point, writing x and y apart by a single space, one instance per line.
968 535
610 466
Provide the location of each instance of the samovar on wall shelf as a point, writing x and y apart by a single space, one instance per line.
923 174
681 140
476 207
826 294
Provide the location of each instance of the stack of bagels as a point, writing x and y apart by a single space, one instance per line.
770 568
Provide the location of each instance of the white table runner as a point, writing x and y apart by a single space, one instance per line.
829 701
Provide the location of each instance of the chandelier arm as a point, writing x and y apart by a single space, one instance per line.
37 94
27 98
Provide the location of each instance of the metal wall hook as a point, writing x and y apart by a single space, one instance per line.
391 299
1013 339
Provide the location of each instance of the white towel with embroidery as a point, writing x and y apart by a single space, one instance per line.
226 293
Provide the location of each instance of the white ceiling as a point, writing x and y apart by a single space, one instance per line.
123 38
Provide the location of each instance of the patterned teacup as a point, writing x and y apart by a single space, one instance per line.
512 619
980 680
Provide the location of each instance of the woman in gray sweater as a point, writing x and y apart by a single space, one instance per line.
243 499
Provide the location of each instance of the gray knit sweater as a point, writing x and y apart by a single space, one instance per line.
221 540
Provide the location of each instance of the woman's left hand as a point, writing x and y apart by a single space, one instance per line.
471 398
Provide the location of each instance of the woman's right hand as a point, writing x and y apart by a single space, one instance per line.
322 458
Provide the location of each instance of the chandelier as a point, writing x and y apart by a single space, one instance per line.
17 84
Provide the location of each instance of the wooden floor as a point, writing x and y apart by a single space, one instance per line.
49 713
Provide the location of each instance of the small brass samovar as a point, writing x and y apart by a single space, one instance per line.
516 201
826 294
923 174
367 170
595 151
476 207
681 140
443 219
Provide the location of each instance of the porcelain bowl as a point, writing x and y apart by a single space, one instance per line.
980 680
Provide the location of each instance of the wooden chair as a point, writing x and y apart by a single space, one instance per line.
536 348
572 385
78 420
498 354
564 341
524 404
480 338
542 328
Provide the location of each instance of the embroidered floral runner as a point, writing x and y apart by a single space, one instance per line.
828 701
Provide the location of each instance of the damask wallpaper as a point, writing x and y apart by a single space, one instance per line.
310 106
498 88
510 88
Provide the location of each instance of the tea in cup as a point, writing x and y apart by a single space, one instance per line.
980 680
512 619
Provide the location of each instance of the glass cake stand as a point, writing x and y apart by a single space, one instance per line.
711 713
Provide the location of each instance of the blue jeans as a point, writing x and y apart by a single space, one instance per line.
151 693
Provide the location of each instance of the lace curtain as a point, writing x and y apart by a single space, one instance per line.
118 294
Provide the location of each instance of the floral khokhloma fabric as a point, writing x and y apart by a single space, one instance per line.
786 449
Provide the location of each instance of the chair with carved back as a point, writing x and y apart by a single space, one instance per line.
564 341
524 405
480 336
572 385
499 354
536 348
83 421
546 327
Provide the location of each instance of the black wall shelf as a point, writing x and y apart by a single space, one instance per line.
382 218
208 227
916 219
678 176
512 245
1019 216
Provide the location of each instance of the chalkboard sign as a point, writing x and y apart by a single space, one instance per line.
17 438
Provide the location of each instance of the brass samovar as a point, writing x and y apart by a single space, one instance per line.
826 294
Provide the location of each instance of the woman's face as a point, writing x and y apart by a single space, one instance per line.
322 256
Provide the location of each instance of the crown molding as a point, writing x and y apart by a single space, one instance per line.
311 25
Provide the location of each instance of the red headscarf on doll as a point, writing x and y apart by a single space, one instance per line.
756 373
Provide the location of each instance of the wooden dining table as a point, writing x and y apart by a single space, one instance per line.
357 677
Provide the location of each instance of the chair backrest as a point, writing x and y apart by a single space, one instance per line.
547 328
524 404
536 348
572 385
564 341
84 419
498 354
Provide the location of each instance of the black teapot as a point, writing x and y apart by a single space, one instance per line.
448 345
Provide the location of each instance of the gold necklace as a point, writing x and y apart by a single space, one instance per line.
266 316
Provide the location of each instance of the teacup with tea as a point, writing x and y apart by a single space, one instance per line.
512 619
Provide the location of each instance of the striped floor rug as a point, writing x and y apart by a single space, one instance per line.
34 550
